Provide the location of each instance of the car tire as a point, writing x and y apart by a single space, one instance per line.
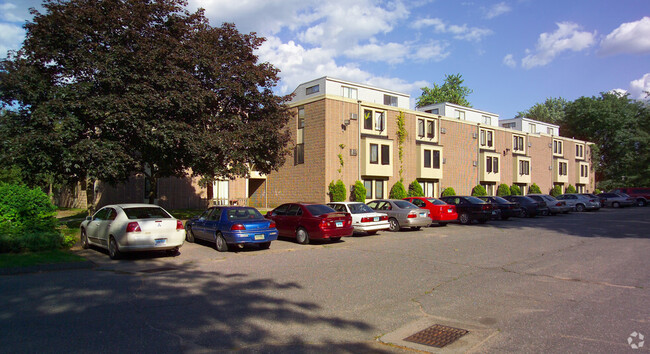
84 240
524 213
114 249
189 235
265 245
580 208
220 243
641 203
616 205
394 224
442 224
302 237
464 219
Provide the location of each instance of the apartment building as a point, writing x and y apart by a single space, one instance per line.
349 131
531 126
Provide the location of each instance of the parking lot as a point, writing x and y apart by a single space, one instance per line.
569 283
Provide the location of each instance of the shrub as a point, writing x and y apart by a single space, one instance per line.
397 191
448 192
570 189
534 189
515 190
557 190
503 190
415 189
597 191
337 191
27 220
479 191
358 192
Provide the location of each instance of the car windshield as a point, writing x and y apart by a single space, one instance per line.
244 214
474 200
548 197
319 209
435 201
146 213
624 195
403 204
359 208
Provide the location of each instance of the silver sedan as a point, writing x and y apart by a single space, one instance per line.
401 213
132 227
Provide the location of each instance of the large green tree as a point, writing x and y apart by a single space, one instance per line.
620 130
451 91
105 88
550 111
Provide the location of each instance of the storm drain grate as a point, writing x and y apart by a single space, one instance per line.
157 270
437 336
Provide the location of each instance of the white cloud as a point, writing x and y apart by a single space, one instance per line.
461 32
509 61
497 10
630 37
639 87
434 50
11 38
550 45
391 53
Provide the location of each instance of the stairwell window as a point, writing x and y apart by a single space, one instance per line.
518 144
312 89
486 140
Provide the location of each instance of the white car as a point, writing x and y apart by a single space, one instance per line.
364 219
132 227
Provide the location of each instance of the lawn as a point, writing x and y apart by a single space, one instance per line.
8 260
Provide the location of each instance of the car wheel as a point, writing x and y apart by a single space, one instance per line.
464 219
189 235
580 207
220 243
265 245
302 236
640 202
524 213
84 240
394 224
114 249
616 205
417 228
442 223
336 239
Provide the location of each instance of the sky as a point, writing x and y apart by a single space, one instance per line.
512 54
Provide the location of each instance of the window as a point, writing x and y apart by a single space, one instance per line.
421 128
489 188
460 115
299 154
495 164
368 185
349 92
488 164
312 89
427 158
390 100
557 147
379 189
550 131
510 125
426 128
379 121
562 169
492 164
532 128
431 125
374 120
518 144
486 138
584 171
487 120
524 168
374 153
385 154
431 159
580 152
367 119
428 187
434 111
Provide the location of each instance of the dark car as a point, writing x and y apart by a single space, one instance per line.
508 209
231 225
470 208
529 207
641 195
305 221
617 200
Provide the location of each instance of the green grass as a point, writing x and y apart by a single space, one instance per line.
185 214
8 260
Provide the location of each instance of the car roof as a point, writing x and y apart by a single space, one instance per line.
132 205
344 203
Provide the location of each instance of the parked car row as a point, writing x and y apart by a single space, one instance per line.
144 227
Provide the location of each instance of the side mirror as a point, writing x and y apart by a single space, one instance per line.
89 218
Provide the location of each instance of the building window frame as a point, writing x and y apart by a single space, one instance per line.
385 154
558 147
486 138
349 92
312 89
374 154
374 121
390 100
524 168
518 144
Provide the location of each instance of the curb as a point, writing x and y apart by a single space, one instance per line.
47 268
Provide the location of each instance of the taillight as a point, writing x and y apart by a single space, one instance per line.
272 224
558 204
411 216
486 207
236 227
179 225
367 219
591 201
348 220
133 227
385 217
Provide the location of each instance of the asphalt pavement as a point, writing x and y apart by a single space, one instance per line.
568 283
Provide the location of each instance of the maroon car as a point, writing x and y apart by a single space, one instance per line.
305 221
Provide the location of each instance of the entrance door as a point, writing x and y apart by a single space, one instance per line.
220 190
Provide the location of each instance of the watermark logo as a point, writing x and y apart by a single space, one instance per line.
635 340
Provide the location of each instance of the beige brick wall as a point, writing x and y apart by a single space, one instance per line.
460 150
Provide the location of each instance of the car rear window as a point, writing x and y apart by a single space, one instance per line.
319 209
146 213
359 208
474 200
435 201
403 204
244 214
501 200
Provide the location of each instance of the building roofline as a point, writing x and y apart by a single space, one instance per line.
527 120
352 83
459 106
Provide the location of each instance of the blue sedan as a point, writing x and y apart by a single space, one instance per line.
226 225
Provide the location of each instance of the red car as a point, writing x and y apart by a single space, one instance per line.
304 222
439 211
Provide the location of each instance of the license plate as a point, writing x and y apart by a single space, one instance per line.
423 214
259 236
449 210
376 218
160 241
339 224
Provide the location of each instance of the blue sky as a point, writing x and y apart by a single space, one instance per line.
513 54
